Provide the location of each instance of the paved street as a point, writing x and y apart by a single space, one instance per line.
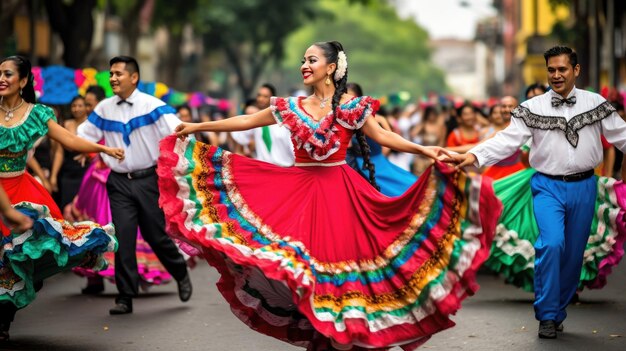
499 317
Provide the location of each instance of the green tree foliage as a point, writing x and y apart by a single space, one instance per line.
385 53
251 33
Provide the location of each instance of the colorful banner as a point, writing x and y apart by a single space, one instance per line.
58 85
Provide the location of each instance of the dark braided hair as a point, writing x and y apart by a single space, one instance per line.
23 71
331 52
363 145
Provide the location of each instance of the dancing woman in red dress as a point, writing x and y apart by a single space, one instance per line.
312 254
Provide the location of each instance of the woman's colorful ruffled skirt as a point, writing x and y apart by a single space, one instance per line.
310 253
51 246
93 202
513 253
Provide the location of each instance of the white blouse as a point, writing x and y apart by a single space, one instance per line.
565 139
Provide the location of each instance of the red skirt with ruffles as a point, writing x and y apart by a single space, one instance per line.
310 253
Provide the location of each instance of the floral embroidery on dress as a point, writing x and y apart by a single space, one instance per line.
570 128
320 138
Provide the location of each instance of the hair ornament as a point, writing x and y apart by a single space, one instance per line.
342 66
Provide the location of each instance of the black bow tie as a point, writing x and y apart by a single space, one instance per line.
557 101
125 101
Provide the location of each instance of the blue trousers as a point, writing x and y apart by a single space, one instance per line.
564 211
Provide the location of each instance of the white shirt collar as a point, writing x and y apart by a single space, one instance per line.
571 93
131 97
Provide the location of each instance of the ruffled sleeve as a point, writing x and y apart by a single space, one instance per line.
354 113
24 135
280 109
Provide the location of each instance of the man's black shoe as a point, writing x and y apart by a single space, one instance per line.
121 308
560 327
547 330
4 336
4 332
184 289
93 289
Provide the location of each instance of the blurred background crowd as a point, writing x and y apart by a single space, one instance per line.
442 80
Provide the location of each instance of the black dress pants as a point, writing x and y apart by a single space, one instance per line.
135 202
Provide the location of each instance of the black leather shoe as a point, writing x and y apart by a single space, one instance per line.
560 327
184 289
121 308
4 332
94 289
547 330
4 336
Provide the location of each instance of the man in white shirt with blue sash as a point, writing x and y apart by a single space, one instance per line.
136 122
565 125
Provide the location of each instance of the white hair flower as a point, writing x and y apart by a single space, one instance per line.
342 65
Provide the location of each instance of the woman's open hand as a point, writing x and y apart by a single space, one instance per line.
184 129
115 153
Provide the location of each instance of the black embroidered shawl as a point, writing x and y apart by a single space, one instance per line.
570 128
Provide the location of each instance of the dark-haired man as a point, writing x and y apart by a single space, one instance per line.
565 125
136 122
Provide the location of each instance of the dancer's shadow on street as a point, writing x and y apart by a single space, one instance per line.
530 300
40 343
113 295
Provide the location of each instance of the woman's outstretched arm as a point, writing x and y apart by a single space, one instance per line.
232 124
394 141
75 143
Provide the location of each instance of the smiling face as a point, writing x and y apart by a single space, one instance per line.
561 74
184 114
90 102
315 67
123 83
78 108
263 97
10 81
496 116
508 103
468 117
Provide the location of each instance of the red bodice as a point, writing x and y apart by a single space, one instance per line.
326 140
340 155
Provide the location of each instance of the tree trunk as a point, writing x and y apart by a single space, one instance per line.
581 43
173 59
131 25
8 9
74 24
32 18
234 60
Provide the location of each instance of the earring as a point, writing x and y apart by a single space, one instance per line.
327 81
21 92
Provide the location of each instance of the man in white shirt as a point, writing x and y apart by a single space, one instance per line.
565 125
272 143
135 122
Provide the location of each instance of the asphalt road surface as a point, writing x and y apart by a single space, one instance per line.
499 317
